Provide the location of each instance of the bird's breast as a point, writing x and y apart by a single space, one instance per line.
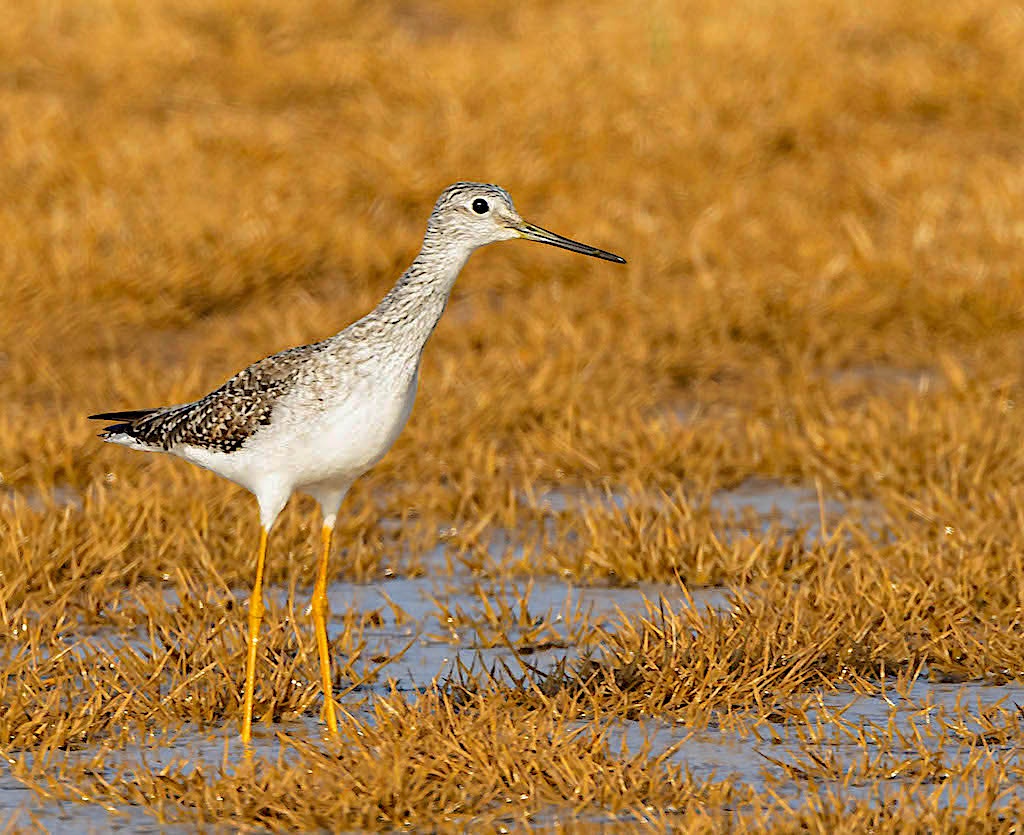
344 438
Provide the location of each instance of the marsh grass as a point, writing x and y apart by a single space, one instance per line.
820 204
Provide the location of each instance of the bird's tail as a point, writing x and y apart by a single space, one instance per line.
127 418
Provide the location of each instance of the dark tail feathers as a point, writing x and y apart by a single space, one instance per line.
128 417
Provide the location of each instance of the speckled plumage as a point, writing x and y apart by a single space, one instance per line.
227 417
317 417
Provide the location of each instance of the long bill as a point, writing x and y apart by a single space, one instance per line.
543 236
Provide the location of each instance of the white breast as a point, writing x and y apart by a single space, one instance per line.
333 444
346 440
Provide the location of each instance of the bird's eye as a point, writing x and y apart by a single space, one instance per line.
480 206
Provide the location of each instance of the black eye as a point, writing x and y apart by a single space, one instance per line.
480 206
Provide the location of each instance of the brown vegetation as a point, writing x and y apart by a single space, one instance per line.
821 208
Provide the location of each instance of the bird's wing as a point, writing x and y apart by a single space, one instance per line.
222 420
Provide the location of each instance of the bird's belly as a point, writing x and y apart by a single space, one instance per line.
349 442
345 441
330 447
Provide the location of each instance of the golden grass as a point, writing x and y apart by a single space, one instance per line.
820 204
447 763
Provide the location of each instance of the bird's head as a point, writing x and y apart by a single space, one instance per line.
475 214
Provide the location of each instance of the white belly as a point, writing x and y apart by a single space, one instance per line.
348 440
329 446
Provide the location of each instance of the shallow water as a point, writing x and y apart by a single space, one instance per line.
709 752
753 506
706 753
434 653
439 646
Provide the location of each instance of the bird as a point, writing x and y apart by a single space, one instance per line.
314 418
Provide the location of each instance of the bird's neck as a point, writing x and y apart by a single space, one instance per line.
417 301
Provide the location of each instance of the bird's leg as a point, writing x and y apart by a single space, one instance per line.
255 616
319 607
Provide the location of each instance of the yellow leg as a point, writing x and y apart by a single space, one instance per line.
320 625
255 616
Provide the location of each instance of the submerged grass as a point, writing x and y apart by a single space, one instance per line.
820 204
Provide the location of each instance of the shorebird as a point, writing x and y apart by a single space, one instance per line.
315 418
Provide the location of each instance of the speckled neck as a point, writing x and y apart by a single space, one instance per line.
418 299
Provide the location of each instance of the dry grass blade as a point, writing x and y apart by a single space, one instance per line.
823 311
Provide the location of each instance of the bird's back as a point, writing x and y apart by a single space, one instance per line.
225 418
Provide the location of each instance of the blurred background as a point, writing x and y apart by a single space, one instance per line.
823 311
820 204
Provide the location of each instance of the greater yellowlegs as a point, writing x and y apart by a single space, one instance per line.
317 417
